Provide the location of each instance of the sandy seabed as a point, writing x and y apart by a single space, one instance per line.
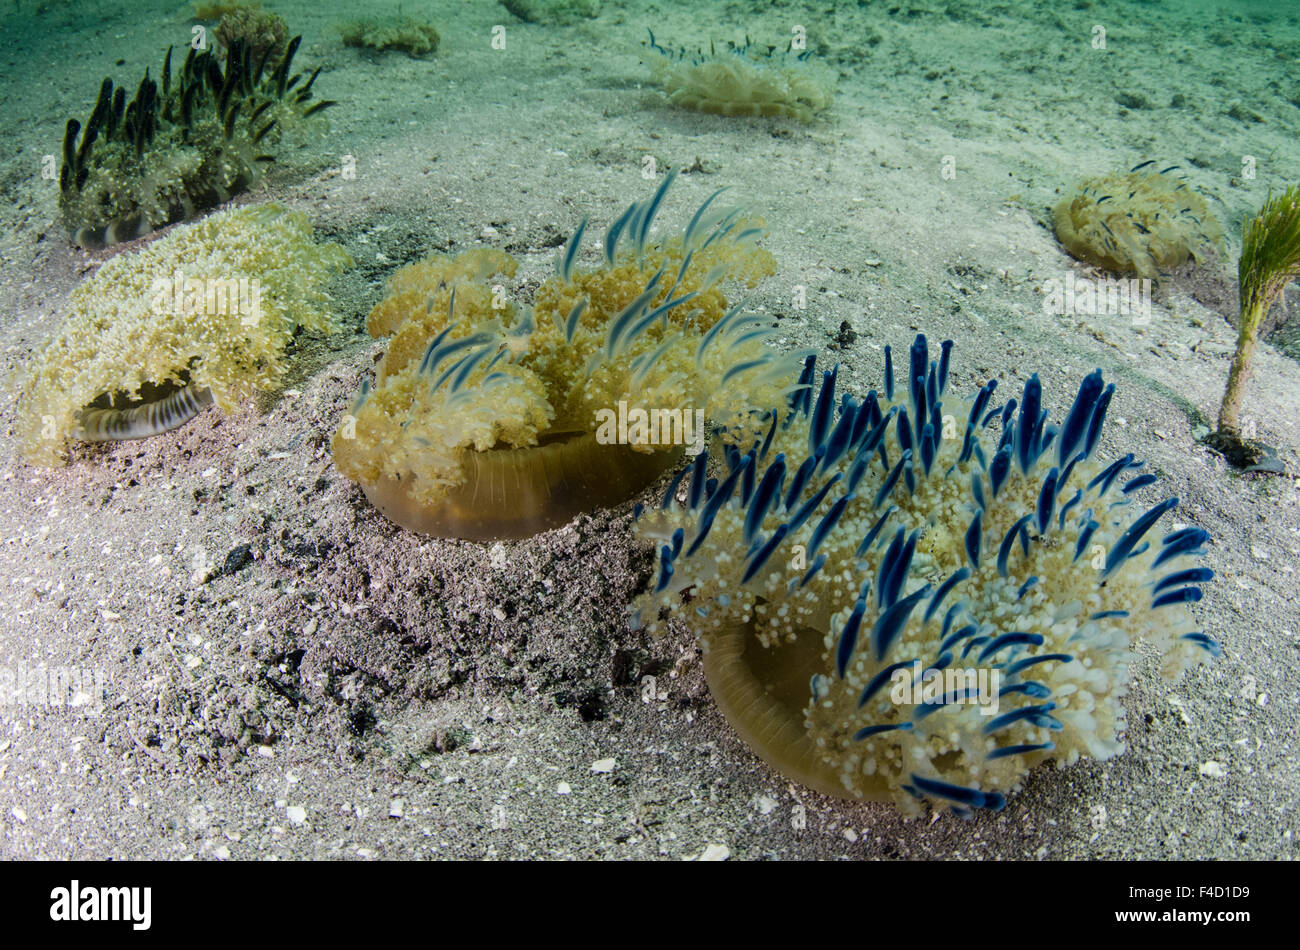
289 675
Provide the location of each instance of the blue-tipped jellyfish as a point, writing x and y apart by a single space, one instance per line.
907 602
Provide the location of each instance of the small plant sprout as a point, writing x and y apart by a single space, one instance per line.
1270 259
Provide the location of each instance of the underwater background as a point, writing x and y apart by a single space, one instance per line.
276 669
